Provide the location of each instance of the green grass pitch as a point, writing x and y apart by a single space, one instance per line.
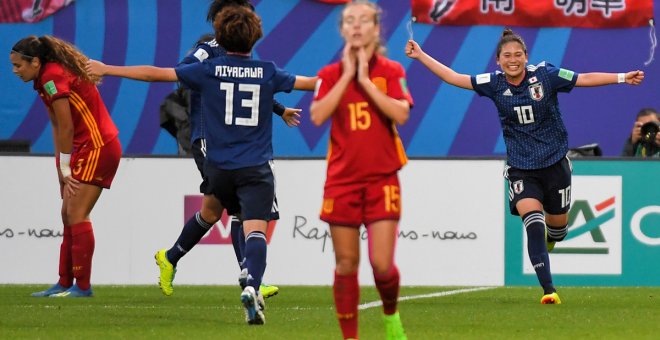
304 312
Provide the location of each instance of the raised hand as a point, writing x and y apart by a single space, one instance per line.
634 77
348 60
413 50
362 65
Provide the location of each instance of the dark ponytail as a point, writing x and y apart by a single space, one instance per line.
509 36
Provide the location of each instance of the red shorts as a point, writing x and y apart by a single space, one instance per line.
97 166
356 204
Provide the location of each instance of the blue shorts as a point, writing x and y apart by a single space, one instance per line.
199 154
246 192
551 186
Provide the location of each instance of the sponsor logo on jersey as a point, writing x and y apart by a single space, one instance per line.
50 88
404 85
201 54
507 93
566 74
536 91
483 78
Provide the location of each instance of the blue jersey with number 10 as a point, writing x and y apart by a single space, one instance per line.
532 126
237 101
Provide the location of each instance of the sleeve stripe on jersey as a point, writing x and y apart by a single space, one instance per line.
400 150
91 164
87 116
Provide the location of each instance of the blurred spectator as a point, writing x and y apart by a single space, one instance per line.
635 145
175 118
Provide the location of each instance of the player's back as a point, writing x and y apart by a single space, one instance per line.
237 99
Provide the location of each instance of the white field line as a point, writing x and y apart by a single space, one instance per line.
425 296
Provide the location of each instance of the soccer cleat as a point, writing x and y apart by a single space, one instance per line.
74 292
242 278
393 327
268 290
551 299
167 272
56 288
253 313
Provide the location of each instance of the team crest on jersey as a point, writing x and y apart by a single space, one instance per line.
536 91
518 187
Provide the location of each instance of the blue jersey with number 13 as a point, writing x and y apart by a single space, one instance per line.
237 101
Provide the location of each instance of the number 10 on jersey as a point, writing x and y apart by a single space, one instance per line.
525 114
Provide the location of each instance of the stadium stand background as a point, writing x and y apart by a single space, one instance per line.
301 36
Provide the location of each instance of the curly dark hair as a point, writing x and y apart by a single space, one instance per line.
218 5
237 29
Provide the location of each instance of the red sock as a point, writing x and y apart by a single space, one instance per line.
346 292
66 275
82 250
388 288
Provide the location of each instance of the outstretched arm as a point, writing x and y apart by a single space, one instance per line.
141 72
443 72
599 78
305 83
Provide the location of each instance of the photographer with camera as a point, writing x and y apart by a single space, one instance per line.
644 140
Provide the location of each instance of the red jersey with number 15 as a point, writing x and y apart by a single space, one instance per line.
92 124
364 143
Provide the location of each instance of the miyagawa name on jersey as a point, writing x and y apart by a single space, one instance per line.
238 72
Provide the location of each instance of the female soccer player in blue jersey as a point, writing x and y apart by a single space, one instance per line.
538 171
237 99
211 210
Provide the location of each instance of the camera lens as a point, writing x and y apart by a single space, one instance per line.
649 130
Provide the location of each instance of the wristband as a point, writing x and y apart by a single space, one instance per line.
621 78
65 159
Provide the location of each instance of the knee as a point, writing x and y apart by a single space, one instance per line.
74 215
381 266
556 221
210 215
347 265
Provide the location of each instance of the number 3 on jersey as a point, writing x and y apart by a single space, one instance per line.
360 117
252 103
525 114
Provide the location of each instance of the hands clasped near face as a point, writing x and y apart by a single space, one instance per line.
355 61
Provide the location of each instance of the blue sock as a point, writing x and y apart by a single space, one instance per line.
557 234
192 232
255 258
237 239
536 248
241 245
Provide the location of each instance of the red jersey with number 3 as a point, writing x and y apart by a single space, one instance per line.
364 143
92 124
